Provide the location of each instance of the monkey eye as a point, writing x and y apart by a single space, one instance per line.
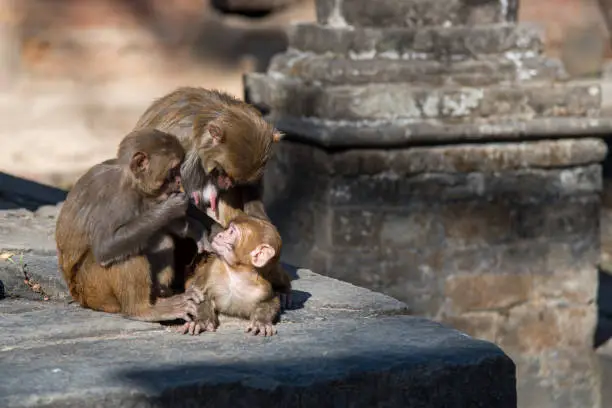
173 173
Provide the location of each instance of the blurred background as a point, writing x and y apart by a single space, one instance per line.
76 74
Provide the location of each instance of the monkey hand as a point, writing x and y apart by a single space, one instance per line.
175 206
204 246
258 327
194 294
196 327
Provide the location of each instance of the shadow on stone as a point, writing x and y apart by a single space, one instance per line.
603 332
437 377
16 193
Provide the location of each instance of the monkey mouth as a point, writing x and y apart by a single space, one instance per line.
213 202
195 196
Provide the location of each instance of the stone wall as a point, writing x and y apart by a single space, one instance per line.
500 240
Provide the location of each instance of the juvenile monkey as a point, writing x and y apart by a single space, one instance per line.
245 279
113 232
227 144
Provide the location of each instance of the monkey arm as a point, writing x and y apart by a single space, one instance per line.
128 239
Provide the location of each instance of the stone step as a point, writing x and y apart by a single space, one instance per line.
394 133
382 101
415 13
482 72
417 44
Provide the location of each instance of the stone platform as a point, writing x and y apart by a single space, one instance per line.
341 345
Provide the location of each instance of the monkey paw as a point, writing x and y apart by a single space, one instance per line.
195 328
261 328
195 294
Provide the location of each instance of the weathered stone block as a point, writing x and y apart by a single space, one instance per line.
470 158
481 293
346 71
520 186
415 13
431 43
559 378
404 132
355 228
540 326
124 367
413 227
405 101
476 224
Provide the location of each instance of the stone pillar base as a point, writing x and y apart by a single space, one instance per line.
500 240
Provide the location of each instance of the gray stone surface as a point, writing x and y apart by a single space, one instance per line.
339 345
441 43
343 346
472 73
27 231
400 133
415 13
380 101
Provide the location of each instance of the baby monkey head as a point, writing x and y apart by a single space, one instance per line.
152 161
248 241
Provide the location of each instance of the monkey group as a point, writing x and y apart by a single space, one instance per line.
174 226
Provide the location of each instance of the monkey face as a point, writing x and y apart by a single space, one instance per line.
224 243
220 179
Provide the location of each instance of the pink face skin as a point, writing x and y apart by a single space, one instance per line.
224 242
224 182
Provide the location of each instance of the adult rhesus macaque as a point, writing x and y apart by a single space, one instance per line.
243 279
227 144
114 231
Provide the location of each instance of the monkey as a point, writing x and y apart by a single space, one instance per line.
227 143
113 232
243 278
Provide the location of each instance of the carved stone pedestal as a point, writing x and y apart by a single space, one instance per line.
424 160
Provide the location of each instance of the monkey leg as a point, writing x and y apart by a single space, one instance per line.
92 286
205 320
263 317
134 289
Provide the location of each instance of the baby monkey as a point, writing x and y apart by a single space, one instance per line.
244 278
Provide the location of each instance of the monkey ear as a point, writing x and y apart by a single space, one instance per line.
261 255
139 162
277 136
216 133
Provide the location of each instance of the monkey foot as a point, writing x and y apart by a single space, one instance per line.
264 329
195 328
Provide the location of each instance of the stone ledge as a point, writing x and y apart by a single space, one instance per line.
415 13
443 43
473 73
381 134
405 101
487 158
340 344
399 361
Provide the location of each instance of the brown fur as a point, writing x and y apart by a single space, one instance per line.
241 150
113 231
238 287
